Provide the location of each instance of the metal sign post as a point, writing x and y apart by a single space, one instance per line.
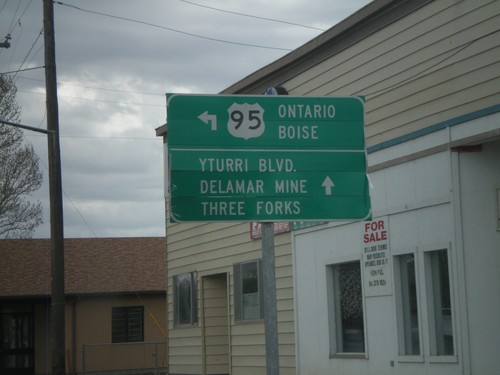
270 312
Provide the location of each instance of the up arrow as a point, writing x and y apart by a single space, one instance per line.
328 184
206 118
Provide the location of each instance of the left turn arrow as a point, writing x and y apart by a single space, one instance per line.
206 118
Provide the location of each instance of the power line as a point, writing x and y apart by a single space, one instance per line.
110 137
31 49
97 88
252 16
69 199
104 138
6 44
457 49
14 23
3 6
95 100
22 70
11 27
35 54
24 11
79 213
171 29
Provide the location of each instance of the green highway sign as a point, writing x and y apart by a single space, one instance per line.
266 158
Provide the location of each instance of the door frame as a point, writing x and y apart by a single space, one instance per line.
202 319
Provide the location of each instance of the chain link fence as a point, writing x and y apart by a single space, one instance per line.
135 358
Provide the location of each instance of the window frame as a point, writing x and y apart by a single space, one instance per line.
334 313
425 302
193 299
125 312
398 289
238 292
430 297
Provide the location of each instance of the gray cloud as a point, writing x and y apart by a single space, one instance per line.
113 75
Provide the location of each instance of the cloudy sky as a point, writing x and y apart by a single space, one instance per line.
116 59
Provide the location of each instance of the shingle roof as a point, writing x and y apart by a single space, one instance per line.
92 265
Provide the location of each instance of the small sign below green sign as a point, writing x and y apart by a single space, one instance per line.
266 158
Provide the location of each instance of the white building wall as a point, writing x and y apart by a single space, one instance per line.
479 181
435 200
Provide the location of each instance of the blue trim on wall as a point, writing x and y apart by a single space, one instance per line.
434 128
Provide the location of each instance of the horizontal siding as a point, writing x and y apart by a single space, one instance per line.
417 39
247 338
215 322
251 371
434 87
437 63
210 248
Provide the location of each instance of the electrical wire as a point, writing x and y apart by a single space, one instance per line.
97 88
156 139
95 100
15 23
22 70
171 29
69 136
22 14
3 6
12 24
80 214
69 199
26 57
458 49
35 54
107 15
251 16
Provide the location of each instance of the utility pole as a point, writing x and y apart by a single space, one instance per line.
58 300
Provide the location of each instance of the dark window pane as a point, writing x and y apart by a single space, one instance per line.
443 328
250 291
411 332
185 304
127 324
348 298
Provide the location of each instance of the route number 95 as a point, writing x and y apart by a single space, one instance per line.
246 120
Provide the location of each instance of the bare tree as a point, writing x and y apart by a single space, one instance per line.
19 171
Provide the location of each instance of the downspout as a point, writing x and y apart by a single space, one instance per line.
462 319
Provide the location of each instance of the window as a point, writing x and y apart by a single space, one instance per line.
185 299
16 338
406 297
439 303
247 291
127 324
429 309
346 308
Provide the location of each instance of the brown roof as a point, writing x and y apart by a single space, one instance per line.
92 265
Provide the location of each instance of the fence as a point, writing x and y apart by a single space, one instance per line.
135 358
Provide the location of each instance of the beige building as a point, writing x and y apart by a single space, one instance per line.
429 74
208 333
115 305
